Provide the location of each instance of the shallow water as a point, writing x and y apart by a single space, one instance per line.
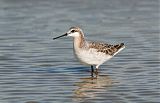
34 68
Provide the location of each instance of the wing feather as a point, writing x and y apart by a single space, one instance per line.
106 48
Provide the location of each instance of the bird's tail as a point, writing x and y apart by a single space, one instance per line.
119 47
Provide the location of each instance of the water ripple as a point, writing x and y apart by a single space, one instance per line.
36 69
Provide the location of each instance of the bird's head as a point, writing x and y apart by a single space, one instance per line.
73 32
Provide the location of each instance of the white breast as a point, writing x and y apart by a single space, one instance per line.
91 56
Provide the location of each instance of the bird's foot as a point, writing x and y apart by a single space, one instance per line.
96 72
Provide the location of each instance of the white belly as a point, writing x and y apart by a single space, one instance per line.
91 56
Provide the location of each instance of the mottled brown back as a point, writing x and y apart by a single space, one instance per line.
106 48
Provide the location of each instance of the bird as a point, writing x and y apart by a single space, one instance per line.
91 53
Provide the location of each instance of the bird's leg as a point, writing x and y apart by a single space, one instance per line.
96 71
92 70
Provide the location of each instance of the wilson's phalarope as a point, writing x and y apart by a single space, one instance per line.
91 53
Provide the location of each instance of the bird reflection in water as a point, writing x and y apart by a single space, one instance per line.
90 87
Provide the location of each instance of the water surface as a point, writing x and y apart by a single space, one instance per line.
34 68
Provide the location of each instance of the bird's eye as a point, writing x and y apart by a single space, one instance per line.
72 31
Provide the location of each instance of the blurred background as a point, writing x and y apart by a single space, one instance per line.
34 68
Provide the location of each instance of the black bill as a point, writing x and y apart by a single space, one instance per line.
60 36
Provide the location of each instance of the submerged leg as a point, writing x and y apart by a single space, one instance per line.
96 71
92 70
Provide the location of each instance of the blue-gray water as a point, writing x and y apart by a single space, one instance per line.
34 68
